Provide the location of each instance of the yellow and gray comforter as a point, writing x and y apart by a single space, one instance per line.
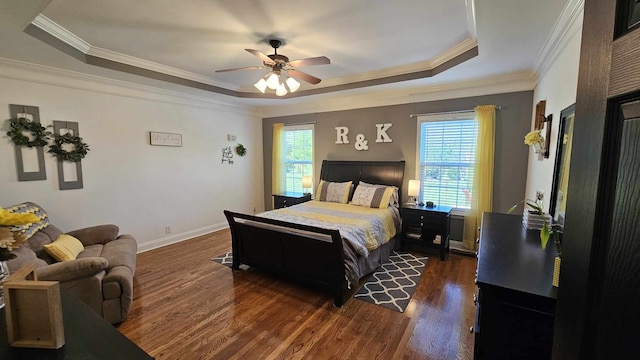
364 228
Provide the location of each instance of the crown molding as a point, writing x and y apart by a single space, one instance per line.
61 33
24 71
454 51
150 65
92 55
471 18
515 82
64 35
450 54
566 27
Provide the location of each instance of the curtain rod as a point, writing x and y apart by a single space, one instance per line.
300 123
448 112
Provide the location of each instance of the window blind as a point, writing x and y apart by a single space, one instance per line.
298 155
446 164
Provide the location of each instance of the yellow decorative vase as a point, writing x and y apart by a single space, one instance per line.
556 271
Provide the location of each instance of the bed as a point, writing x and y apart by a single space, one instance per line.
312 254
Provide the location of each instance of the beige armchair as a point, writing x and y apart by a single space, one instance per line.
101 275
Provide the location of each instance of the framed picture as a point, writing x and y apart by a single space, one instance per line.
560 182
165 139
546 132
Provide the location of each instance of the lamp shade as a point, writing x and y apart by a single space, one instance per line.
273 81
281 91
293 84
306 181
414 188
261 85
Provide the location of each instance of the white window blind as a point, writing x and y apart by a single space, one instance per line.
446 160
298 155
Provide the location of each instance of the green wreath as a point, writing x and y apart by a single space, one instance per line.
241 150
78 153
20 125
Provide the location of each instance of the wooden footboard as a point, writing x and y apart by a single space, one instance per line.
300 252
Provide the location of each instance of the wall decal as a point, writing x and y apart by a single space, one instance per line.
227 155
381 133
341 135
361 143
28 157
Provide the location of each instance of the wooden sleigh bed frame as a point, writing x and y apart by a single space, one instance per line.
307 253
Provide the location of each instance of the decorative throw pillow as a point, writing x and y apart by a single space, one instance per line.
374 196
65 248
41 220
333 191
395 198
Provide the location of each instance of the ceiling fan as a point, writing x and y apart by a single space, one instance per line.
279 64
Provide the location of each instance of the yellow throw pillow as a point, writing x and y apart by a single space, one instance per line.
65 248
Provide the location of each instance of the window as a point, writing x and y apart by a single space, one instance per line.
446 159
298 155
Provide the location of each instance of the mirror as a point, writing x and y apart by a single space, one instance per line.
558 204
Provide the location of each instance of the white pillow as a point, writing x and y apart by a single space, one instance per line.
333 191
394 200
374 196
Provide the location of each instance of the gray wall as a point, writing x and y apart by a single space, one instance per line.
513 121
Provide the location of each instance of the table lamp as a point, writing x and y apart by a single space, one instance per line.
306 183
414 191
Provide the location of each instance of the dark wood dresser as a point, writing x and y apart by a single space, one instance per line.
515 303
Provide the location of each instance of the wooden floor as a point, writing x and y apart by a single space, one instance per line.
189 307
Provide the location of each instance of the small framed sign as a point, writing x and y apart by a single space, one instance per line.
165 139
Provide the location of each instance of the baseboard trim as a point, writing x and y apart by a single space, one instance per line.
176 238
456 246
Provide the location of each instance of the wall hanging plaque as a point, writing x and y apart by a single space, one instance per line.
68 183
29 160
165 139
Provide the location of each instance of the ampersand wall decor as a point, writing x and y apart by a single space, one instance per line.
361 143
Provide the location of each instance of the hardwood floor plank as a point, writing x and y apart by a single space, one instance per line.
189 307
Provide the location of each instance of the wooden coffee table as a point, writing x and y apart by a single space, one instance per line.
87 336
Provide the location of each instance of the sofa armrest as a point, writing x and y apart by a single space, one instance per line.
100 234
71 270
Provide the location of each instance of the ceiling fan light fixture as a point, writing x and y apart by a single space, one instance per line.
273 81
281 91
261 85
292 84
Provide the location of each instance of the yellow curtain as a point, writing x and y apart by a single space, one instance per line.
482 194
277 168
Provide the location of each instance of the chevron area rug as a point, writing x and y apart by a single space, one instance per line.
227 260
392 285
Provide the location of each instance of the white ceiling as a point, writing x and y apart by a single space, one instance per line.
364 39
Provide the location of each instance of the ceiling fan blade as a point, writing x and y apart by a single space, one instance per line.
303 76
263 57
243 68
320 60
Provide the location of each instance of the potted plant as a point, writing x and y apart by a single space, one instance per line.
549 230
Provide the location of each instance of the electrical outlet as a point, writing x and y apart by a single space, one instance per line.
167 229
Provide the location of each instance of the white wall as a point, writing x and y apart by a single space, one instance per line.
558 87
139 187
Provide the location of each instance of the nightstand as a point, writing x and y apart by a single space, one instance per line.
426 228
283 200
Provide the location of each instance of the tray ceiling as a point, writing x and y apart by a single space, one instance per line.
377 43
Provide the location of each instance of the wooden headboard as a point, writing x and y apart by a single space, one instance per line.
373 172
